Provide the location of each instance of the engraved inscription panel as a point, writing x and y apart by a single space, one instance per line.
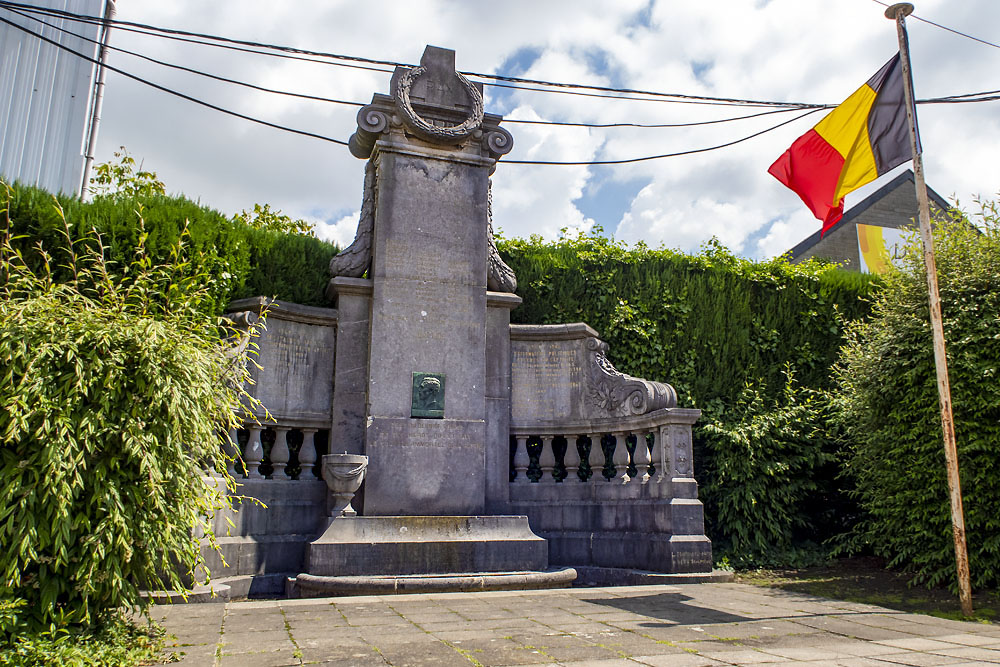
296 378
546 380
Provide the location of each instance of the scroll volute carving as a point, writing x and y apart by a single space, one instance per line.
621 395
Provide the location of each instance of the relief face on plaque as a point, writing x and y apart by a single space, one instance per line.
428 395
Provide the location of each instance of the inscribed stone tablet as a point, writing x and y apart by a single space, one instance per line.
428 395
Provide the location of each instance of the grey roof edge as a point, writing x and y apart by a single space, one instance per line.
906 175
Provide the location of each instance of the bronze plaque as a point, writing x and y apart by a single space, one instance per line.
428 395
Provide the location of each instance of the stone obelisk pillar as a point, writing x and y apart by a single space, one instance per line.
425 246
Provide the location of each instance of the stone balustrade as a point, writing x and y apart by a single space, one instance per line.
281 450
625 450
614 492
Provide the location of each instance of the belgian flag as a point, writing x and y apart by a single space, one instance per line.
863 138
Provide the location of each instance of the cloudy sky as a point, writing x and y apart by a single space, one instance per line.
815 51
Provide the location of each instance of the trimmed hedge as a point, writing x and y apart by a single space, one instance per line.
243 260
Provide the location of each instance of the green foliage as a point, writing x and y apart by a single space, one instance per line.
241 259
707 323
116 643
770 495
292 267
124 179
114 390
887 396
727 333
264 218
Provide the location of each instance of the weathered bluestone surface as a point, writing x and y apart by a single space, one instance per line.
559 374
350 376
297 345
354 546
428 312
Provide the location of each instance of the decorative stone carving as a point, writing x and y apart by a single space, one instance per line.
433 103
354 261
497 142
622 395
427 130
500 277
343 474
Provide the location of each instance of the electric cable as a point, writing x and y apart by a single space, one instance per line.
190 70
944 27
964 98
665 155
174 92
361 104
133 26
572 88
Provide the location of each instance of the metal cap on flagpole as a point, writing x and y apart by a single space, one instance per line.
904 8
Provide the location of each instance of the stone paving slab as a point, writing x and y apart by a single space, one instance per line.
686 625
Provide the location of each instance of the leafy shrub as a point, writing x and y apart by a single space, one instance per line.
293 267
113 393
770 492
888 401
116 643
241 259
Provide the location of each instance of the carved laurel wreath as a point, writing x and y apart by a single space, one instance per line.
445 133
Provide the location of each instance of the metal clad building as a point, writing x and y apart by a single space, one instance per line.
45 96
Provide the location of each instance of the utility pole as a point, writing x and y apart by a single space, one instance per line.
95 119
898 12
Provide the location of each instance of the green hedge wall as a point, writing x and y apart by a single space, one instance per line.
243 261
750 343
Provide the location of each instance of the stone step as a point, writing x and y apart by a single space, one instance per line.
310 586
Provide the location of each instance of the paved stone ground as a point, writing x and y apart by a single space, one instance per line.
683 626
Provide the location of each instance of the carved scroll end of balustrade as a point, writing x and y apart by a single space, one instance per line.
622 395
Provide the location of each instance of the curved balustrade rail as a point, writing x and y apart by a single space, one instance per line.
624 449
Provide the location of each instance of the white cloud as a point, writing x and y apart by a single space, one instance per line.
799 50
341 231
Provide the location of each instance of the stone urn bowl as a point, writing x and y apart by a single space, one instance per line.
343 474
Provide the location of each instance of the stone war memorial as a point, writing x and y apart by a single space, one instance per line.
417 439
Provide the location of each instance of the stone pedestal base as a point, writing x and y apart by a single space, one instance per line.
407 545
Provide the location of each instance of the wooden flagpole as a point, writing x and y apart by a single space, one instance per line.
898 12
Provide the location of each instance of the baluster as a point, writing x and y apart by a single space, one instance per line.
572 460
279 452
660 439
620 458
547 460
253 453
521 460
585 459
642 457
307 454
231 450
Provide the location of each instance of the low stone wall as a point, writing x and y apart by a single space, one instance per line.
268 529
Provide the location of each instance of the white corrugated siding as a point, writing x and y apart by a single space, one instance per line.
45 97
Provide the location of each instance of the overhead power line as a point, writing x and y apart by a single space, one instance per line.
944 27
150 29
190 70
666 155
811 108
360 104
170 90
